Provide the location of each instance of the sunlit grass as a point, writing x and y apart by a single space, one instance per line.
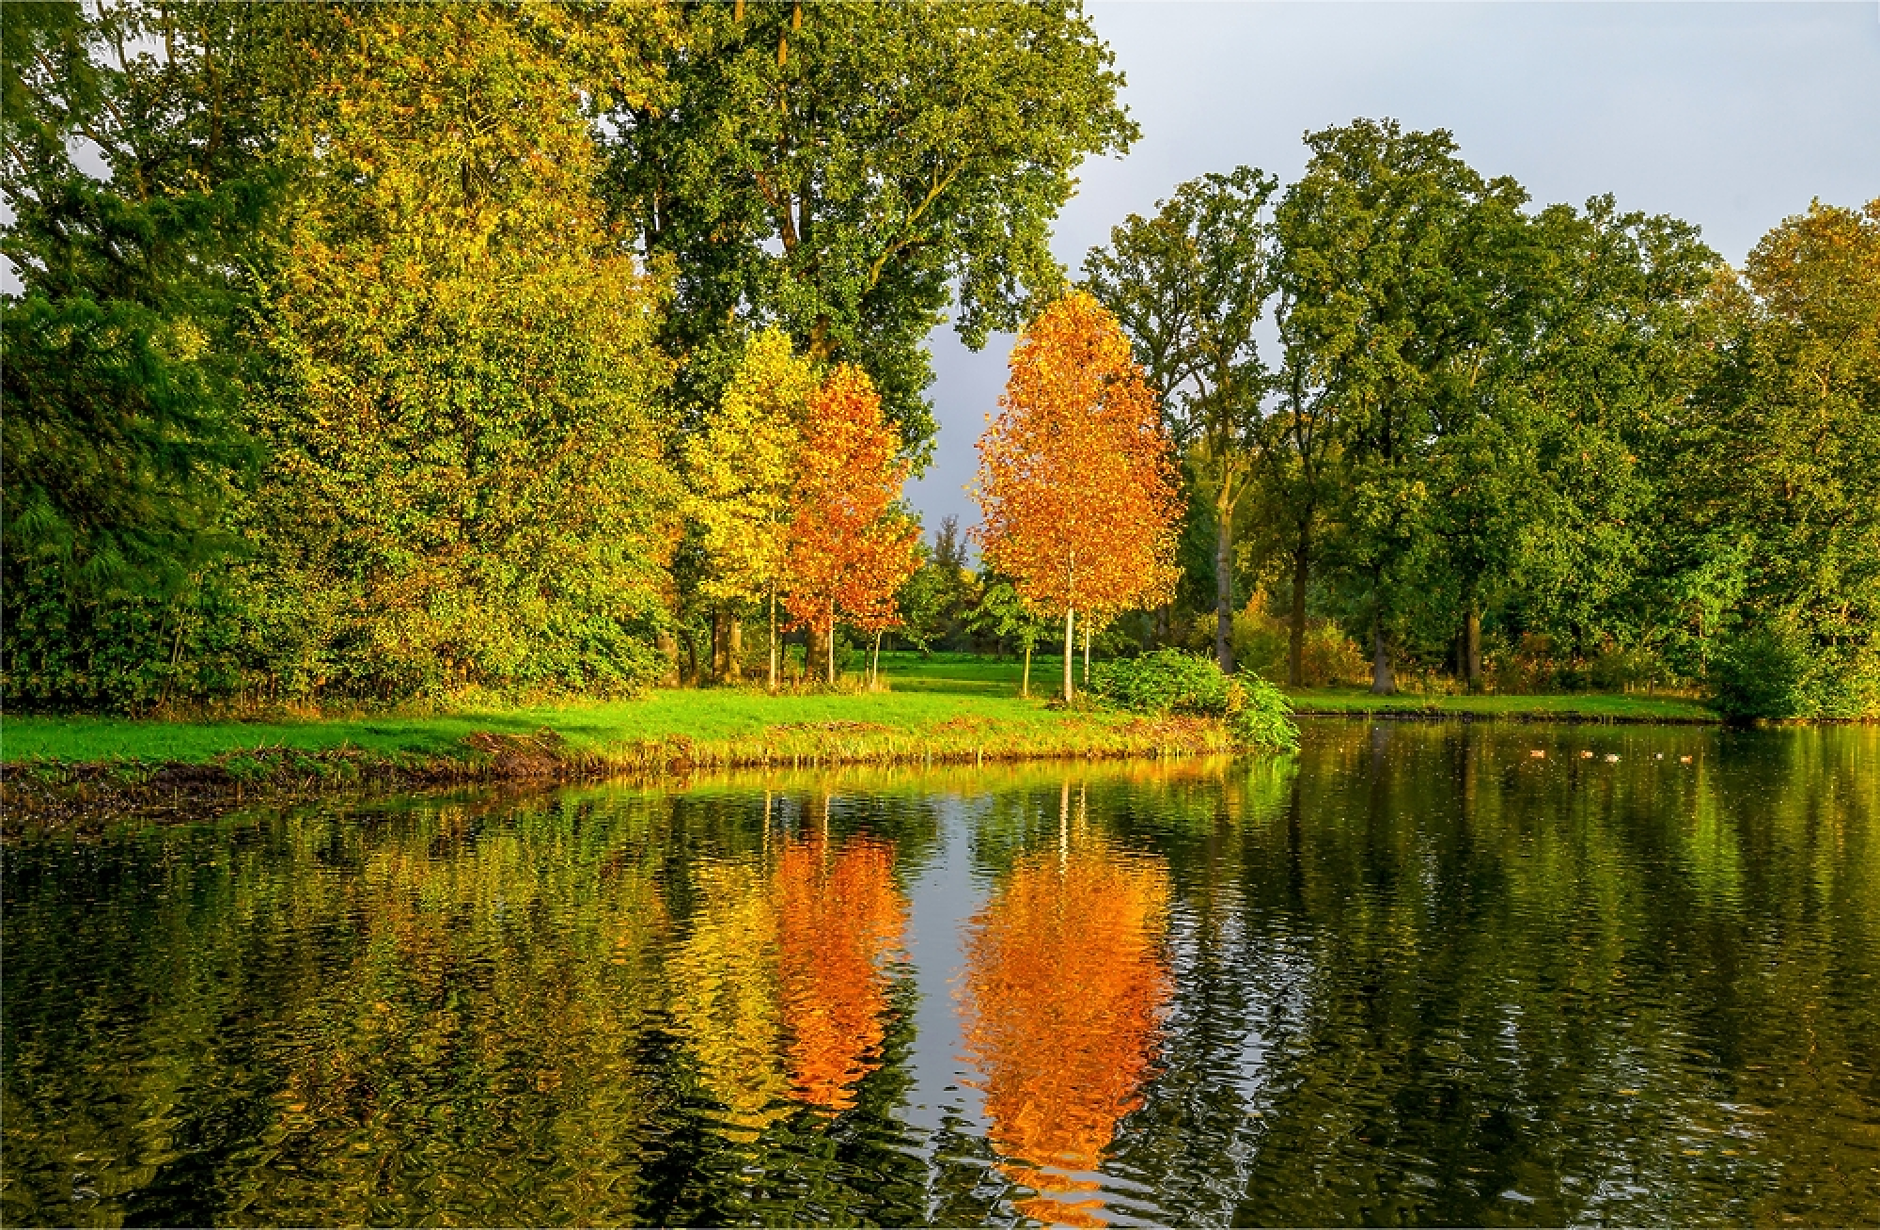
943 706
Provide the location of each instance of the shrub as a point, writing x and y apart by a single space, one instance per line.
1263 645
1164 681
1778 671
1172 681
1259 715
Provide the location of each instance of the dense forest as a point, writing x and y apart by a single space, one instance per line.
380 353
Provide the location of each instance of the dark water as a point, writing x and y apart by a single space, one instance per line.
1415 974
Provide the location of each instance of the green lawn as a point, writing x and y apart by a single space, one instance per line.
1629 706
950 702
953 704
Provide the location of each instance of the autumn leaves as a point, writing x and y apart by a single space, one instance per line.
796 487
1076 477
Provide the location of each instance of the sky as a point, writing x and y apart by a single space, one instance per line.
1730 116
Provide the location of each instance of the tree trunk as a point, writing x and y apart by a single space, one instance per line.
1472 648
1223 580
734 649
831 680
874 664
668 649
1086 655
1070 651
1296 651
773 639
717 666
1024 683
1383 683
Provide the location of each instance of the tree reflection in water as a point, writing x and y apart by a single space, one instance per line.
1063 1002
781 990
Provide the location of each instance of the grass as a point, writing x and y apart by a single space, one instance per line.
942 709
1627 707
944 706
949 708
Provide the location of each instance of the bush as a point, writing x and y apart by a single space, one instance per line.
1164 681
1259 715
1778 671
1263 645
1172 681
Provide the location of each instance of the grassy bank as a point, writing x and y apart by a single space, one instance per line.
67 768
944 709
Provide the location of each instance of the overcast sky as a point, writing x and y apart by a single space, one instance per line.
1731 116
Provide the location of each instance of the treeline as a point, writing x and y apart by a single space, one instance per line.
1544 448
371 352
365 352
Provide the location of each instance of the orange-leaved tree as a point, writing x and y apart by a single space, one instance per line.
850 547
1076 475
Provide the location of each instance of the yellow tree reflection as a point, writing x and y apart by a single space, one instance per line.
725 997
1064 993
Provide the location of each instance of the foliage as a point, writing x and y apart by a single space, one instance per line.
850 548
1189 286
1259 715
1784 459
741 469
1076 479
121 443
836 169
467 482
1162 681
1176 681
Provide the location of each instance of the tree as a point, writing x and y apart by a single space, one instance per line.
1000 613
837 168
469 483
122 441
1389 289
1076 478
1189 286
849 549
1788 460
741 470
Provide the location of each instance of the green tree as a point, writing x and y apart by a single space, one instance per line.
1789 463
1389 289
468 484
838 169
1189 286
121 437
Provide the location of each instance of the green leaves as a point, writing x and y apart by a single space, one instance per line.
834 168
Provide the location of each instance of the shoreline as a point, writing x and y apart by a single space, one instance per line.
46 795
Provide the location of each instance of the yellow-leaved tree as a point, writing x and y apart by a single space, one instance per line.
740 472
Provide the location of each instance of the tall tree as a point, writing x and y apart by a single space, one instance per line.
850 548
1788 463
122 440
1076 475
469 482
1391 288
840 169
1189 286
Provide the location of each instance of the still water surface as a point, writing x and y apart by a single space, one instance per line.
1414 974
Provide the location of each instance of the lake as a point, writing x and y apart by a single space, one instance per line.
1434 973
